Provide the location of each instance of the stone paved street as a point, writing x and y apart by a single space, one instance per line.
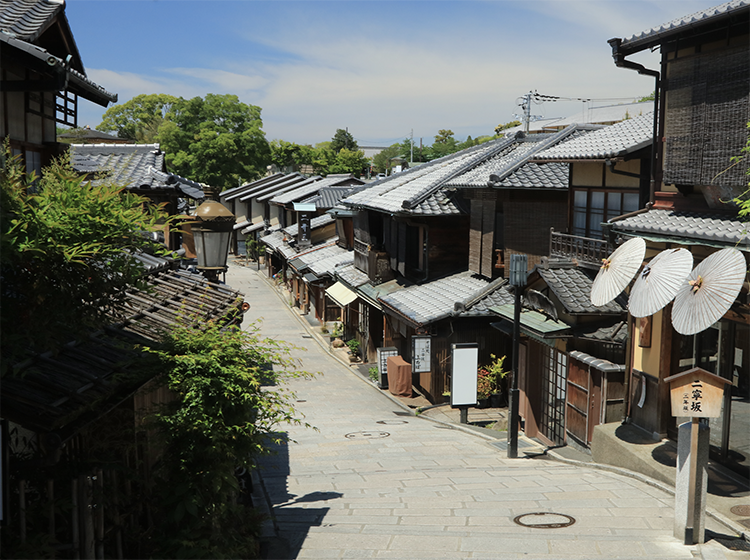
378 482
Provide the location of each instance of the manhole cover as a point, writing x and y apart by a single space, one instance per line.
743 510
367 435
391 422
544 520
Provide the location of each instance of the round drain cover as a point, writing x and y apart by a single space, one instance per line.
544 520
367 435
391 422
742 510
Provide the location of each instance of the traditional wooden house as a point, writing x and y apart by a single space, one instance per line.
41 79
141 168
62 412
704 106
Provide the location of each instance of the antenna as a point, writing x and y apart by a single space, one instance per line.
709 291
658 282
617 271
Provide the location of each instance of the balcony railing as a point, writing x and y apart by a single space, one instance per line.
587 251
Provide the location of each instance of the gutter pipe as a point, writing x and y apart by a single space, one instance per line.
620 62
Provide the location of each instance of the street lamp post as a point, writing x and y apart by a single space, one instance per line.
212 233
518 272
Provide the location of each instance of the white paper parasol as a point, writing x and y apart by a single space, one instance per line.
658 282
617 271
709 291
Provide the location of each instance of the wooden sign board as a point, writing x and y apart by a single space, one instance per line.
696 393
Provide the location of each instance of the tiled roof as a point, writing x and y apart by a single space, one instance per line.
324 262
280 185
616 332
416 190
655 35
430 302
291 186
311 189
329 197
136 166
28 19
351 275
504 169
316 222
62 391
572 286
689 227
597 363
616 140
274 240
234 192
60 74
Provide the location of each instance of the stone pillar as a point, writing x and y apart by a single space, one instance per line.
690 487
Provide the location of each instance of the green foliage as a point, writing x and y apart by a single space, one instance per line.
343 140
353 346
229 405
381 162
650 97
139 118
64 268
490 378
499 128
373 373
743 201
350 161
216 140
285 154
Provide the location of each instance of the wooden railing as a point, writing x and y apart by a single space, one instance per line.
585 250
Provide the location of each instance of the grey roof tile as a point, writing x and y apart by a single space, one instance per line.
351 275
280 185
616 140
509 162
434 300
234 192
651 36
702 227
313 188
28 19
135 166
415 190
572 286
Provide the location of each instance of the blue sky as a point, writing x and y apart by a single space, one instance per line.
379 68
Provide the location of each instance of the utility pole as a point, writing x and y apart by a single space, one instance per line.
527 112
411 148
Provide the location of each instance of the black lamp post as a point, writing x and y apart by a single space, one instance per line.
212 233
518 272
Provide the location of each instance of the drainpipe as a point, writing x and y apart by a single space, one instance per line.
620 62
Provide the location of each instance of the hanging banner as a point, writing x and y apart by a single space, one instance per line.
421 348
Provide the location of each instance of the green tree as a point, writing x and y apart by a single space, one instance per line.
64 265
139 118
286 154
381 162
743 201
217 140
230 401
650 97
443 145
350 161
343 140
323 159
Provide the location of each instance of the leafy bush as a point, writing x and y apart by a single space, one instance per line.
222 419
353 346
374 374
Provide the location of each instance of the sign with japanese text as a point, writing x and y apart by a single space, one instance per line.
696 393
383 355
421 346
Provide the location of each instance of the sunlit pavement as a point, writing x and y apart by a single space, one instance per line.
375 481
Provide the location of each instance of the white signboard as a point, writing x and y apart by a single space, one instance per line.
421 346
464 362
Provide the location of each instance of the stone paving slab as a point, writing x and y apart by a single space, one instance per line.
422 492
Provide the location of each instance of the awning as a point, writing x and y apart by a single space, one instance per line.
534 323
340 294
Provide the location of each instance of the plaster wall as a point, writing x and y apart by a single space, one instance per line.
647 359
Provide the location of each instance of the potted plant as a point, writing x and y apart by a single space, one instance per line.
484 387
354 349
497 374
